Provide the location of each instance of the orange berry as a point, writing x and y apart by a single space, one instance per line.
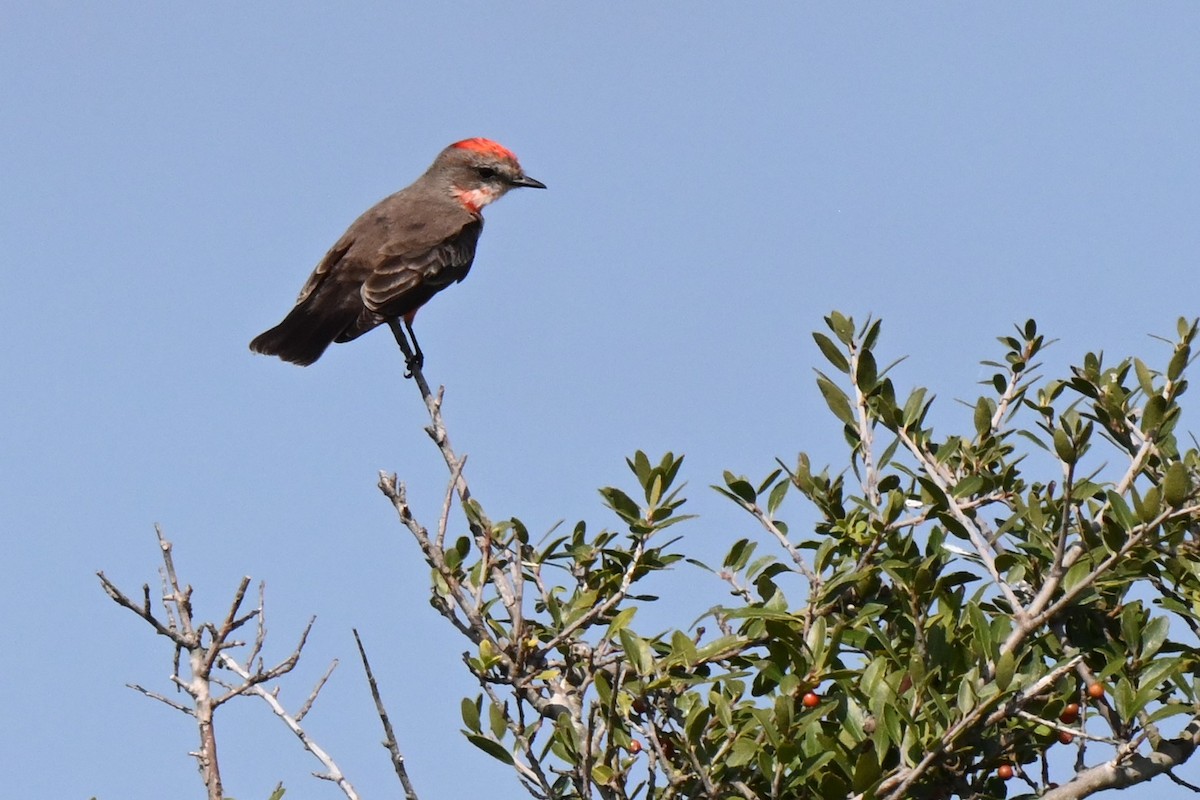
1096 691
635 747
1004 771
1066 738
811 700
1070 713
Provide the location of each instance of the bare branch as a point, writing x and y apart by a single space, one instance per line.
1134 769
160 698
312 696
206 646
944 480
1058 726
866 434
332 772
390 741
142 611
261 675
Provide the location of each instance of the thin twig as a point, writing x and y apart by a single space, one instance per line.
973 528
312 696
160 698
332 774
390 741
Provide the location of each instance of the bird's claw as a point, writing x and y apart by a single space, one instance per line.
414 364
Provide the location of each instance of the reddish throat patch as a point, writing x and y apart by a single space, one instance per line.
475 199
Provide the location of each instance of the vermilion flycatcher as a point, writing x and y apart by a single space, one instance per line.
401 252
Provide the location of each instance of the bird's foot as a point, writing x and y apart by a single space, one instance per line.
414 364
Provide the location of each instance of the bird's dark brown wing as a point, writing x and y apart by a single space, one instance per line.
327 265
400 283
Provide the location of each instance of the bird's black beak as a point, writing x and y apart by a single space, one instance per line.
529 182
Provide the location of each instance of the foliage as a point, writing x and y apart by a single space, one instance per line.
924 638
952 608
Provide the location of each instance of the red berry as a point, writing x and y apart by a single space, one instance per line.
1066 738
1096 691
1004 771
635 747
811 700
639 706
1070 714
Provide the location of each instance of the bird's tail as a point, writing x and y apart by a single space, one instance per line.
303 335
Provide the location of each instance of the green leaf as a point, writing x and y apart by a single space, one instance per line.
740 487
816 641
983 417
640 464
842 326
670 467
470 713
1178 362
621 503
1121 511
1176 484
1161 670
1150 505
724 644
1144 376
497 721
1124 700
968 486
1152 414
1078 571
603 688
836 399
1004 670
1170 710
966 696
769 481
831 352
872 335
637 652
683 649
1131 623
602 774
1063 447
866 771
654 489
867 374
1153 636
744 750
739 554
766 722
620 621
776 497
493 749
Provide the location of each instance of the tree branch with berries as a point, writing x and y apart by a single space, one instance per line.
969 608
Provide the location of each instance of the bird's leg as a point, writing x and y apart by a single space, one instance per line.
418 358
413 357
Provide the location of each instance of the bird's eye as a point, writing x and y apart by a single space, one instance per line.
487 173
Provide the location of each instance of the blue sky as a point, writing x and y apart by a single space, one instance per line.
720 178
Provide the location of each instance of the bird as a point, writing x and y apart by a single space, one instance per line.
398 254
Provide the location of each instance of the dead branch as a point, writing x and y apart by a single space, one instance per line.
390 741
